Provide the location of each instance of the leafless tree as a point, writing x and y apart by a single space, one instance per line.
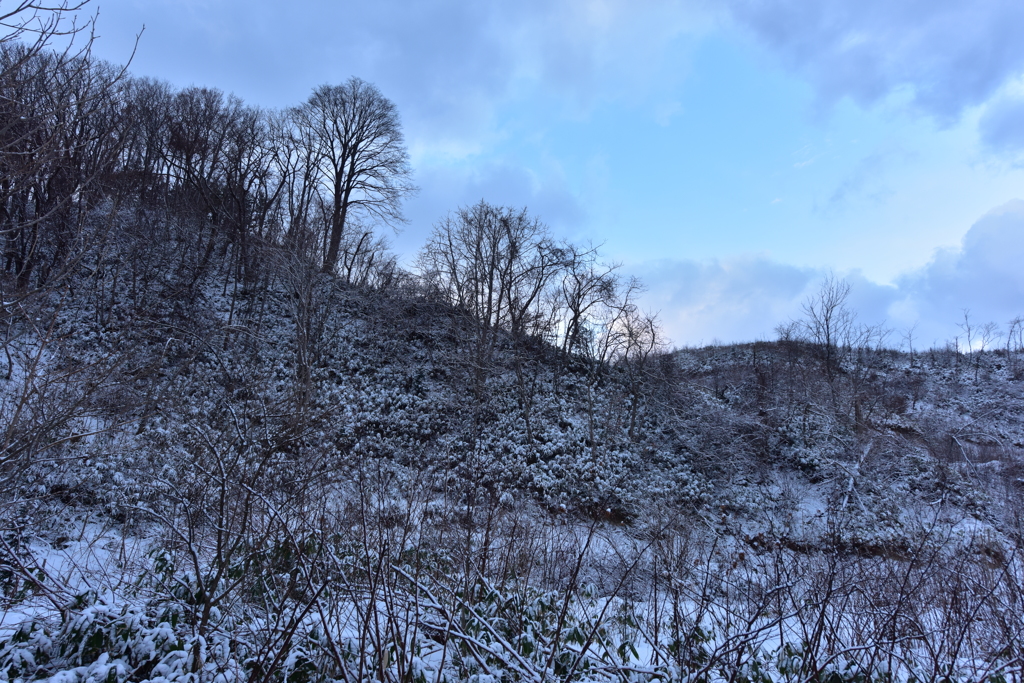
59 144
296 161
968 328
36 24
355 143
586 287
828 319
493 263
643 340
908 336
1014 341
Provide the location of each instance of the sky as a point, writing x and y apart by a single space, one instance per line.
730 153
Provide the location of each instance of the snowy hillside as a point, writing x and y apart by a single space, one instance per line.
239 442
183 497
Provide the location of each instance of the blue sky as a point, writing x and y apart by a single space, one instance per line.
729 153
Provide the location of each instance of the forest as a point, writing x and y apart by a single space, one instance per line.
240 441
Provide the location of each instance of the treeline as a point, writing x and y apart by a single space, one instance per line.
93 158
83 139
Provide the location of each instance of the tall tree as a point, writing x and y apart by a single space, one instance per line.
359 152
59 142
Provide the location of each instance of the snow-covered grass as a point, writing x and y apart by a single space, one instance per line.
387 590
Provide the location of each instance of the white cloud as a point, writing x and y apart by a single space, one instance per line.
745 299
985 276
867 181
443 189
737 300
453 67
946 54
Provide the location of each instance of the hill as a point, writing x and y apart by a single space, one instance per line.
237 441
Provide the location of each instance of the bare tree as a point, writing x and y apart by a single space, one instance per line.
587 286
499 266
1014 341
828 320
969 329
61 125
365 260
357 148
35 24
643 340
296 162
494 263
908 337
988 335
979 338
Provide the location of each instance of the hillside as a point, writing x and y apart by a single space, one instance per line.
238 441
175 467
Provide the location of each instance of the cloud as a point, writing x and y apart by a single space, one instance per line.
455 67
747 298
1002 126
863 181
737 300
983 276
947 54
744 299
866 181
450 65
445 188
